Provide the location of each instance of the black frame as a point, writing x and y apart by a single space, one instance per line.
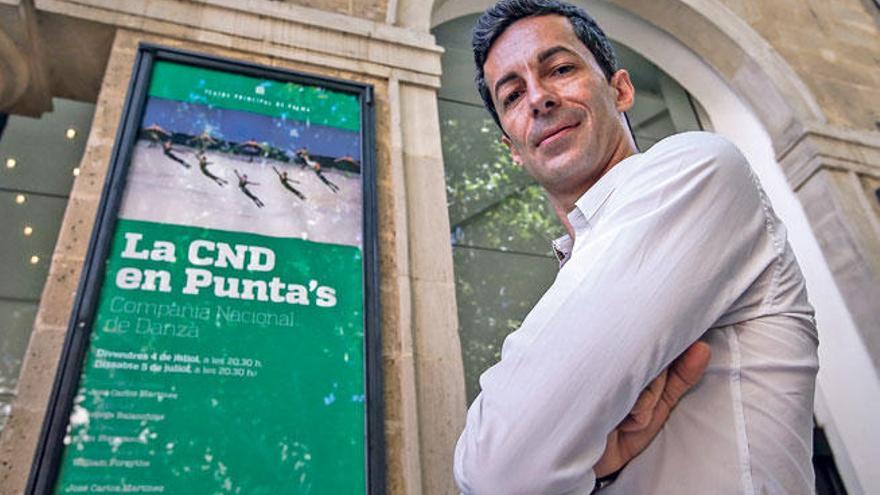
46 463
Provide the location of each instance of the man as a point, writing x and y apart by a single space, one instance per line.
665 247
168 150
287 182
203 166
243 184
302 155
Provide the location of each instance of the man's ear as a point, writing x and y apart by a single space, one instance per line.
513 153
624 91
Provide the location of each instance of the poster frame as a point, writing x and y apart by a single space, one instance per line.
47 457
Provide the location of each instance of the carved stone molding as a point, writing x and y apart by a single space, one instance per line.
23 83
829 169
14 72
278 29
833 148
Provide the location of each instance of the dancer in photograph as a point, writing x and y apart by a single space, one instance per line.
347 163
203 166
285 181
156 134
169 152
304 158
243 182
298 159
347 159
204 141
251 148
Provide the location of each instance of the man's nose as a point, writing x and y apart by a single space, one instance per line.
541 99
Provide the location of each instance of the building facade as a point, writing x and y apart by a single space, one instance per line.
795 85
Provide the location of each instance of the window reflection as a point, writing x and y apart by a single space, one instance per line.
36 159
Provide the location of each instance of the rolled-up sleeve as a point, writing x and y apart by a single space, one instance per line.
668 255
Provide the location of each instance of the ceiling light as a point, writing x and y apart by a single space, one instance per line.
71 133
19 198
76 172
28 230
35 259
10 163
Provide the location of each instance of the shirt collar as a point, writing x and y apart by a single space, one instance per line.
562 248
586 207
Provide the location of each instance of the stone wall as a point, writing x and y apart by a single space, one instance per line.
374 10
834 46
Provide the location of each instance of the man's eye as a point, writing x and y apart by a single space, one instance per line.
563 69
510 98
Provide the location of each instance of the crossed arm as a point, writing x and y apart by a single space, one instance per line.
652 409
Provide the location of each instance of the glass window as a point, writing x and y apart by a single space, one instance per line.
38 163
501 222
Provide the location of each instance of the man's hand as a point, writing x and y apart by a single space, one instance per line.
652 409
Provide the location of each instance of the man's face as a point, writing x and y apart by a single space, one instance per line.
561 115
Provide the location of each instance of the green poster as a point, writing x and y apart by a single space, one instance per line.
227 351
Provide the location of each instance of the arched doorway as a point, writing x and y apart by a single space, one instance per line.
847 379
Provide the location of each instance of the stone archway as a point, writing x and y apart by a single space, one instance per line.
753 69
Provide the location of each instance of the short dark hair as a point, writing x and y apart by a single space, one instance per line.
500 16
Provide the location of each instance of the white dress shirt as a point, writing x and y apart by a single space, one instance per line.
672 245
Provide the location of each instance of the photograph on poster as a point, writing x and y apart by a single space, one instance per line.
227 350
302 177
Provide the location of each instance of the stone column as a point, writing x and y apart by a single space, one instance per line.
439 369
835 173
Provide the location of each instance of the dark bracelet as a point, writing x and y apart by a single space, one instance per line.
605 481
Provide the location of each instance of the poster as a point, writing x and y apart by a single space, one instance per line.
226 353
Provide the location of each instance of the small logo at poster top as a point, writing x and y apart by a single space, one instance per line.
260 90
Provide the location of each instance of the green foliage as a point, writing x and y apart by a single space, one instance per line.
492 202
502 225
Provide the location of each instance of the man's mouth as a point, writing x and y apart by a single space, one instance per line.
555 133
